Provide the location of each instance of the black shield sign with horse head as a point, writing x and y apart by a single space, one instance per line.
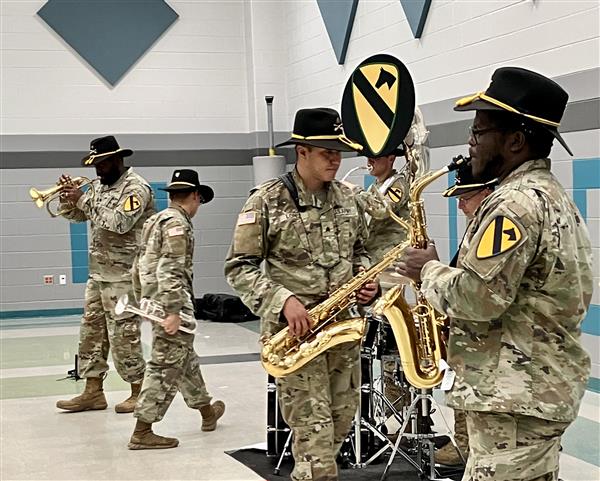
378 104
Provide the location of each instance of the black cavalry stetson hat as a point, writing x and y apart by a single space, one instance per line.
103 148
320 127
525 93
465 182
186 180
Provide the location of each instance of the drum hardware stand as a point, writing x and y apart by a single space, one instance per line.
426 400
73 373
361 422
284 451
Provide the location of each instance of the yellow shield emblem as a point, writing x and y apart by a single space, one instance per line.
131 203
501 235
375 92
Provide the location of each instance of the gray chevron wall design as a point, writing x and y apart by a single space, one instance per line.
110 35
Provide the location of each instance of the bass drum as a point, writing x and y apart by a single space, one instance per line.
277 429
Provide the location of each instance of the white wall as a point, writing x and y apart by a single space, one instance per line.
462 43
192 80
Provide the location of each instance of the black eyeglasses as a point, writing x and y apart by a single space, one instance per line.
467 197
476 133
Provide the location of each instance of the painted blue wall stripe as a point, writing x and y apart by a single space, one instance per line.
161 197
586 175
79 252
79 238
591 323
594 384
41 313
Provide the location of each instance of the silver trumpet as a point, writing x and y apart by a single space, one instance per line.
152 311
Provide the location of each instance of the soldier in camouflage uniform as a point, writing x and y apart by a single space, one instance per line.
117 206
163 273
470 195
521 288
310 236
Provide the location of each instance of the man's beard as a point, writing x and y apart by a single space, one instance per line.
110 178
492 169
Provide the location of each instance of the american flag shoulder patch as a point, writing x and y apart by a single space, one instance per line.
246 218
175 231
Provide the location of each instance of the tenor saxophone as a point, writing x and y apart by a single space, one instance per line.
418 328
282 354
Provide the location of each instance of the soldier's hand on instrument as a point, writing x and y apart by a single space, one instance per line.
296 315
71 194
368 292
64 179
171 323
413 260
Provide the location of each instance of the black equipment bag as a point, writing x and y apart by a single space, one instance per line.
222 308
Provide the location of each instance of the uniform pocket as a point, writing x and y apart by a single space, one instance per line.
346 221
166 353
289 240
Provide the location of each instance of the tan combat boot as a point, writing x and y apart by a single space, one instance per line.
210 414
92 398
144 438
128 405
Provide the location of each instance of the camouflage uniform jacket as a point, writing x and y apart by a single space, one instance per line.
385 233
163 270
307 253
517 299
116 213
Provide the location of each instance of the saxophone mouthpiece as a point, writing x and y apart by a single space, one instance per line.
457 162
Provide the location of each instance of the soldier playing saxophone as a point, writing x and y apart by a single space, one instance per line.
311 242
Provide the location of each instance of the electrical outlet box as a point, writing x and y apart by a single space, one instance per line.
62 279
48 279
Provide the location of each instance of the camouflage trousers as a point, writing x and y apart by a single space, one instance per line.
102 330
319 402
174 366
512 447
460 429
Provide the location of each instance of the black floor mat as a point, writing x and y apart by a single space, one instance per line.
257 461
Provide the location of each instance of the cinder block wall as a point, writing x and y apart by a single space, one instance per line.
197 99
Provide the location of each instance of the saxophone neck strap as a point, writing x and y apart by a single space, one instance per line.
288 181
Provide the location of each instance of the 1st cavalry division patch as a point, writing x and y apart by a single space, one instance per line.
501 235
394 194
131 203
378 104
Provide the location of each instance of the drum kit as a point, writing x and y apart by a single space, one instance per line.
393 418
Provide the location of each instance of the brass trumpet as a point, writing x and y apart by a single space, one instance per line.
150 310
41 197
